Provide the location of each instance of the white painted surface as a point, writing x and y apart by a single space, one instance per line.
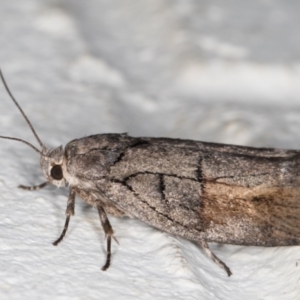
222 71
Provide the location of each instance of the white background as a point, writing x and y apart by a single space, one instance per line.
221 71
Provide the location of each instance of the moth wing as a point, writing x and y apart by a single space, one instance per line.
229 194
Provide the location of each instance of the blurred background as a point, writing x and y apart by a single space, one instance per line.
225 71
220 70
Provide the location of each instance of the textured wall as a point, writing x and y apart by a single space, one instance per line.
223 71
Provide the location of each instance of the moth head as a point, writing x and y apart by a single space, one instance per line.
51 160
52 166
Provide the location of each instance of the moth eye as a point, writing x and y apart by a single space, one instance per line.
56 172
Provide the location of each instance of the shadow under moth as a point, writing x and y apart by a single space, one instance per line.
204 192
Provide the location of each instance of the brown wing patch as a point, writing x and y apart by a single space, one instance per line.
260 215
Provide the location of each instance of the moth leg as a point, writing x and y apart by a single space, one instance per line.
108 234
69 213
33 188
209 253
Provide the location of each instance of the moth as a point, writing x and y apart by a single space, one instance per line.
204 192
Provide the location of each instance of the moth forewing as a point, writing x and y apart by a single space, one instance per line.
200 191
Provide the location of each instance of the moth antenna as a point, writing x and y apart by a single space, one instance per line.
20 140
25 117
